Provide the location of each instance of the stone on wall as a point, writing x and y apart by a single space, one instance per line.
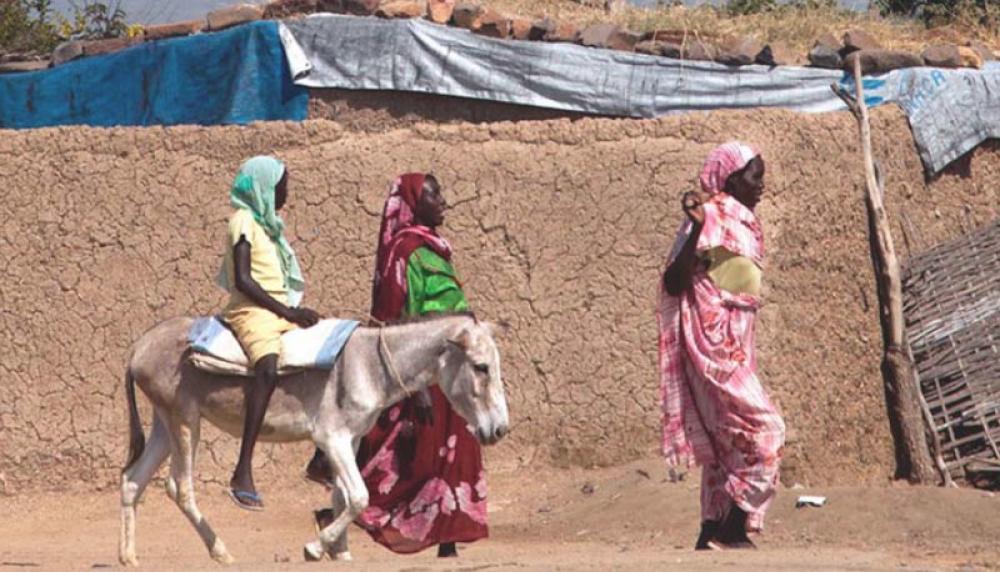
440 11
881 61
161 31
738 51
400 9
942 56
494 25
233 16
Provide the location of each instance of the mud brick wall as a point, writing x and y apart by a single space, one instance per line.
560 228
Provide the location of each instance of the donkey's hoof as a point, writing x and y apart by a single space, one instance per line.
344 556
220 554
129 561
313 551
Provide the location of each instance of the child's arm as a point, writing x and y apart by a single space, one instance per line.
249 287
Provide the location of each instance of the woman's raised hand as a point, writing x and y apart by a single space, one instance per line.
692 203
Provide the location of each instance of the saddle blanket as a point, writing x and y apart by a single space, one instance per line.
215 348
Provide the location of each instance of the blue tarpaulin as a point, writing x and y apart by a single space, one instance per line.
234 76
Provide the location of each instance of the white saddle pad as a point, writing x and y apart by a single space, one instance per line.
215 348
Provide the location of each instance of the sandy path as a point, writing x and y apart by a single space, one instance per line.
630 521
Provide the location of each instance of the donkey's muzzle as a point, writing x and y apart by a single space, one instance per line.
488 437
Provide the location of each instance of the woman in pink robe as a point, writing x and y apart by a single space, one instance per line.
716 412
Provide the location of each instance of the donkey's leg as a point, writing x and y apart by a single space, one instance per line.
134 481
340 450
184 442
339 550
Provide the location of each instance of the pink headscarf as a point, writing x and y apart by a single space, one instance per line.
722 162
398 237
728 222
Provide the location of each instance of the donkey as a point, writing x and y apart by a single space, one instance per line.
335 409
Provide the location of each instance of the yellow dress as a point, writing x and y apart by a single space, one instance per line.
733 273
257 329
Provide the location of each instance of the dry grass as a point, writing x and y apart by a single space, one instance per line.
797 28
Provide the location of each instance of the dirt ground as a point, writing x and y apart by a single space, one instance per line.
631 517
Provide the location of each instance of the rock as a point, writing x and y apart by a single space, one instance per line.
520 28
970 58
700 51
468 16
541 28
858 39
738 51
658 48
829 41
588 489
19 57
609 36
942 56
678 36
494 25
15 67
564 32
360 7
881 61
822 56
279 9
982 49
776 54
98 47
400 9
598 35
331 6
161 31
67 51
233 16
440 11
625 41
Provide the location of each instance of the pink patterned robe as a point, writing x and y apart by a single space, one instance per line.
716 413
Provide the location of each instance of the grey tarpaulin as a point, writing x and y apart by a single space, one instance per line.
950 112
414 55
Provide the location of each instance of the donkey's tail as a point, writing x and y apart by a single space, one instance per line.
136 439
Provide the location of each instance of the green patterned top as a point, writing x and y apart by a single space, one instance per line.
432 285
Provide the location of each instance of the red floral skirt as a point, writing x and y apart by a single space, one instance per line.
426 482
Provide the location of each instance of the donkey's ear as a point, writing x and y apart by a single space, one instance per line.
462 340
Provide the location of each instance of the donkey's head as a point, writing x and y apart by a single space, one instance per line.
471 381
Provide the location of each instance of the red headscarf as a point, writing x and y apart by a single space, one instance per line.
398 237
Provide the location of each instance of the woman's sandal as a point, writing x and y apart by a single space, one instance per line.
240 498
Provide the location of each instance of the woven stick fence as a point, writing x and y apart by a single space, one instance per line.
952 309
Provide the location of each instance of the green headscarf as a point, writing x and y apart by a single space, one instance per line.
253 190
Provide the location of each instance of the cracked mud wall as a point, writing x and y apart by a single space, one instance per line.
560 228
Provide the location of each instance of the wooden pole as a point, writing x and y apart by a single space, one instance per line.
913 460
